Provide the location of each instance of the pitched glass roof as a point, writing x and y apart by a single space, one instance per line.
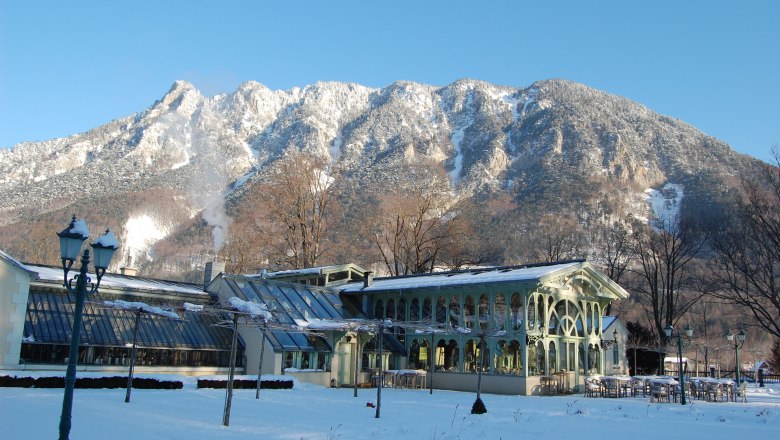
49 319
289 302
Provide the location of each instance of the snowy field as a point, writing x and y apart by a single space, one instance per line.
314 412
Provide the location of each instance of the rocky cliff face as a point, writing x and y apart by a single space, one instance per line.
557 143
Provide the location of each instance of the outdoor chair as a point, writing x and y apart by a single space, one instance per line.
741 391
611 388
592 387
697 389
637 386
714 392
658 392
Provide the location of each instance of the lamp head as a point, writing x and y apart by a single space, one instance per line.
668 330
742 335
104 249
72 238
688 330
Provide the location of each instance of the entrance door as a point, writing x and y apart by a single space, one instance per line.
346 363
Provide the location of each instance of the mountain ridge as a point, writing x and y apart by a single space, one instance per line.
556 143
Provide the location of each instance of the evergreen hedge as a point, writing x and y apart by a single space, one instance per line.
90 382
246 384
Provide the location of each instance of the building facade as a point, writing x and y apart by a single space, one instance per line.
519 326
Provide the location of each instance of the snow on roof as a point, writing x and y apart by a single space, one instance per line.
249 307
324 324
116 281
133 305
476 276
313 270
14 262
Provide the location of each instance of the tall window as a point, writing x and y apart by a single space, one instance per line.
499 312
532 312
441 310
517 311
484 312
454 311
426 314
468 308
615 355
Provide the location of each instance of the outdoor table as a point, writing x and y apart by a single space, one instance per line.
666 384
405 378
646 382
621 384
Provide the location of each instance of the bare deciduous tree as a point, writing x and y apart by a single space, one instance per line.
747 252
663 277
294 206
556 238
414 223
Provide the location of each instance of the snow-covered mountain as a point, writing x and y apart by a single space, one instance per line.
556 143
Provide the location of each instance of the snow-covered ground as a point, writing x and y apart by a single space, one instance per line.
315 412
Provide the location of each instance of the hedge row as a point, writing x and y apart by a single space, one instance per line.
90 382
246 384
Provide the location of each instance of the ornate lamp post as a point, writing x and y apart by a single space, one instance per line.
669 330
739 341
71 240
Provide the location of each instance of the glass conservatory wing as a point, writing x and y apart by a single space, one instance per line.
48 316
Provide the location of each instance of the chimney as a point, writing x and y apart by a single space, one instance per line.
129 271
368 279
213 268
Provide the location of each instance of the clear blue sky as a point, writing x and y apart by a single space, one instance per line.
68 66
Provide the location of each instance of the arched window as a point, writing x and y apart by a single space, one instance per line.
594 359
390 312
441 354
470 357
553 361
379 310
533 369
401 309
426 314
468 309
454 311
484 312
532 312
451 356
540 355
581 360
539 313
414 311
589 317
425 352
565 318
414 354
517 311
507 358
441 310
499 313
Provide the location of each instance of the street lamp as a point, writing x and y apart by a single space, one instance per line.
71 240
669 330
739 341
